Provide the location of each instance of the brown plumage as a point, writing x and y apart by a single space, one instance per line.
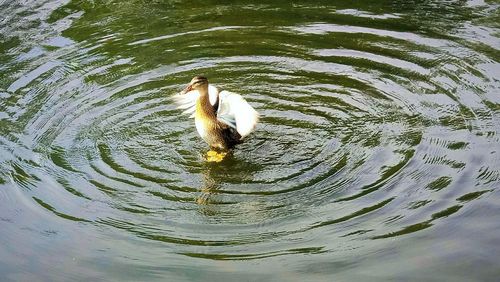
222 118
217 134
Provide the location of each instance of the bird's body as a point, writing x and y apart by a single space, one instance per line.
222 119
216 133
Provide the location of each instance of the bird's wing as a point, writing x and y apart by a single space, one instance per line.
237 113
187 101
212 94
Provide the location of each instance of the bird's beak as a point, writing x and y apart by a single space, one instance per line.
187 89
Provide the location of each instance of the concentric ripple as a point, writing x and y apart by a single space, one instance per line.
378 140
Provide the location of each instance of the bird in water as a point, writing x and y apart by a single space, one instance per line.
223 119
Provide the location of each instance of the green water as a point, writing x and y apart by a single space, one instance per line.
376 157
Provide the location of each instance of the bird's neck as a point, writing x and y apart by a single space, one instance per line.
203 107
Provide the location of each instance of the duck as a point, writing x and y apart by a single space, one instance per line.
223 119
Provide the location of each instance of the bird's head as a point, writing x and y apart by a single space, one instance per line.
196 83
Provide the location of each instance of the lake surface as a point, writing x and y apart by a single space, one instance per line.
377 155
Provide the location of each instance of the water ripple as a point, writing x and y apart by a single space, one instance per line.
374 128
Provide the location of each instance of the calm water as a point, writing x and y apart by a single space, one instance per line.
377 155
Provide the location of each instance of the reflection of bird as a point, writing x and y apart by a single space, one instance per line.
222 119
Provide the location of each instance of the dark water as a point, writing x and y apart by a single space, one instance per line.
377 155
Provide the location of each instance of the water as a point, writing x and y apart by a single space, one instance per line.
377 155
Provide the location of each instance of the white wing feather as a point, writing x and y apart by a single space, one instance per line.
187 102
237 113
233 109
